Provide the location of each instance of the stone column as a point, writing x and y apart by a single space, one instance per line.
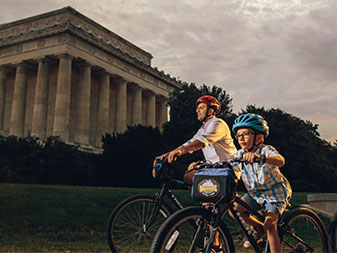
40 109
19 101
3 77
62 101
162 114
121 106
103 107
136 105
83 105
151 110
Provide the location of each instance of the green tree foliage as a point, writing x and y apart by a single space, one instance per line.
18 159
127 158
29 160
309 159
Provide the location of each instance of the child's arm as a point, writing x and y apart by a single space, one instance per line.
274 160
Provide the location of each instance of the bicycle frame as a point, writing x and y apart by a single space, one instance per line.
244 226
165 191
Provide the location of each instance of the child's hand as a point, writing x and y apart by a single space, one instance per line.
250 157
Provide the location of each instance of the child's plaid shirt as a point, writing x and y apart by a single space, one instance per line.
264 182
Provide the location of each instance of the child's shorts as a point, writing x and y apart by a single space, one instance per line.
277 207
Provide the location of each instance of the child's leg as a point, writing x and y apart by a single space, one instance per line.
270 227
245 214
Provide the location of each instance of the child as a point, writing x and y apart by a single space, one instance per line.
266 185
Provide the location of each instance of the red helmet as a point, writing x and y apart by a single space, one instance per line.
211 102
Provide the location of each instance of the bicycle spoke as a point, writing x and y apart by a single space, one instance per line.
185 231
303 234
129 231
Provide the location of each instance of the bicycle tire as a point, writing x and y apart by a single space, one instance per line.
176 233
305 224
125 226
333 233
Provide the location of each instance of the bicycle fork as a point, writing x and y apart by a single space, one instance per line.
155 210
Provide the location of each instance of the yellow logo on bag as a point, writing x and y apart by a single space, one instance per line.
208 187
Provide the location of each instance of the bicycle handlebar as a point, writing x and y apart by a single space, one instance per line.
225 163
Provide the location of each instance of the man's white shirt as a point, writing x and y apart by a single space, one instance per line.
216 136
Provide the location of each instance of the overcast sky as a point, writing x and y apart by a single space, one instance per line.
271 53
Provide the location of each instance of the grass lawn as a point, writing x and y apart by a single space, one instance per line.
39 218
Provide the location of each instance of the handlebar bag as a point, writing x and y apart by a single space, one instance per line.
212 184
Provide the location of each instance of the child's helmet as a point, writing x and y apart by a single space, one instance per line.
253 121
211 102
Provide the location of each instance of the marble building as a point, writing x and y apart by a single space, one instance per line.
62 74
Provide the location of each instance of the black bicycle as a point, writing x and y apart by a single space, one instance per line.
333 234
199 229
133 223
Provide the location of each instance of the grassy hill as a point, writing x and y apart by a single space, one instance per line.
65 218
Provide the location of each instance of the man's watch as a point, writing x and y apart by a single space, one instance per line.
181 150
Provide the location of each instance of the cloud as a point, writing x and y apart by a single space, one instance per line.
277 53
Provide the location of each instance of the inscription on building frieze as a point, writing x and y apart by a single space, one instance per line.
62 20
19 48
41 43
52 31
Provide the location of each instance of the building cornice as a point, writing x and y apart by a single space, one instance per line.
68 20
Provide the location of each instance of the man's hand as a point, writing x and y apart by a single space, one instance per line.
173 154
191 166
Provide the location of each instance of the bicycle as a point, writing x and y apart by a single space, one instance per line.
194 229
333 234
134 221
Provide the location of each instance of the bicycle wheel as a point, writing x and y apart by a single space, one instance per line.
305 232
187 230
126 230
333 233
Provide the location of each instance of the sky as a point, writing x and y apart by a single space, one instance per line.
272 53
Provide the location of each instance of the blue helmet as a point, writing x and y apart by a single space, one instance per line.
253 121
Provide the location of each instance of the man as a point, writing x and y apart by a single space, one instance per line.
213 137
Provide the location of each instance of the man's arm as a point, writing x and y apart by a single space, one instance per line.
183 149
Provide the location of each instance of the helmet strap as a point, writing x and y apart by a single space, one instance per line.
254 143
207 117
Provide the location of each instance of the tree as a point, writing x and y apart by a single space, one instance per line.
127 157
30 160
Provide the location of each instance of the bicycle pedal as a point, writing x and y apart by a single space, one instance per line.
217 249
246 244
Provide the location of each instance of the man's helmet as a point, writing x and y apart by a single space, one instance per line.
253 121
211 102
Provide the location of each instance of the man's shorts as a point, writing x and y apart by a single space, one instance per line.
277 207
